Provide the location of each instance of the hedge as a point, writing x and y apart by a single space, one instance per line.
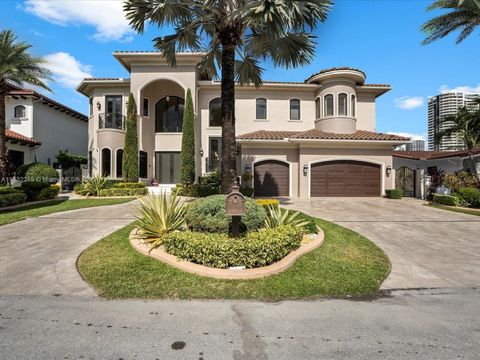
195 190
123 192
471 196
129 185
37 173
448 200
394 193
47 193
10 190
14 198
259 248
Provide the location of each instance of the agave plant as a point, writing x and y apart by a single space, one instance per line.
92 186
158 215
278 216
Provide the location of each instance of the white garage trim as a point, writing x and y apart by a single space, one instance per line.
382 169
280 160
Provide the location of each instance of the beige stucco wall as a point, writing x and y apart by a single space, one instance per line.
366 116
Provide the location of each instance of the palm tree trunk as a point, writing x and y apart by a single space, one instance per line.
229 145
3 145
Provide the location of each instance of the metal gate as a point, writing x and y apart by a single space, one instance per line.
405 180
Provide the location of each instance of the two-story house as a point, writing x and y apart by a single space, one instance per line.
299 139
38 126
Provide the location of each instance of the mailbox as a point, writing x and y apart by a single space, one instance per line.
235 203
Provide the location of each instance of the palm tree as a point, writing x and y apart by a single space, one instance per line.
466 125
464 16
234 36
17 67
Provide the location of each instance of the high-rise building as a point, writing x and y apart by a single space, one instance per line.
441 106
416 145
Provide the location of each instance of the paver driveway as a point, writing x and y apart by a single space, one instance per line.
38 255
428 247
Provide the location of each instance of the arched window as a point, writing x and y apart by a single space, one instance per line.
119 163
328 105
106 162
317 107
352 106
261 109
294 109
142 164
20 111
342 104
215 112
169 114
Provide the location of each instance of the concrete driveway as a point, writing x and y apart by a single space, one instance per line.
38 255
428 247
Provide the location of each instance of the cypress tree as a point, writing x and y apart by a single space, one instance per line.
187 167
130 150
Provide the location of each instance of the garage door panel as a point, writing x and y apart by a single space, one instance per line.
345 178
271 178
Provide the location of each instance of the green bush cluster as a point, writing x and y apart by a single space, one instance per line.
10 190
195 190
462 179
138 191
48 193
208 214
448 200
471 196
37 173
259 248
394 193
130 185
10 195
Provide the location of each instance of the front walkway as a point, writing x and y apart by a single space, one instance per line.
428 247
38 255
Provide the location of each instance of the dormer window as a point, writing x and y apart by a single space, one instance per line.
342 104
20 111
328 105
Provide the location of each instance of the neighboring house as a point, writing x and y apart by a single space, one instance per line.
37 127
412 167
415 145
441 106
299 139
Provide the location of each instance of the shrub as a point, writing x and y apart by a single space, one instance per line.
159 215
448 200
213 179
277 217
37 173
47 193
123 192
10 190
130 185
208 214
259 248
471 196
462 179
394 193
93 186
187 161
13 198
268 202
195 190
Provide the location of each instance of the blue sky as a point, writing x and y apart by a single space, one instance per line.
381 37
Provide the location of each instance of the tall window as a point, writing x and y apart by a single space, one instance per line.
294 109
119 163
169 114
143 164
328 105
145 107
106 162
317 107
342 104
352 106
114 112
261 109
20 111
215 112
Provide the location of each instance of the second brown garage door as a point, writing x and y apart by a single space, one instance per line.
271 178
344 178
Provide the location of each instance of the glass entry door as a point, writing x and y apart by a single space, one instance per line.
167 167
214 153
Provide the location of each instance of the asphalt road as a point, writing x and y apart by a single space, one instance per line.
417 324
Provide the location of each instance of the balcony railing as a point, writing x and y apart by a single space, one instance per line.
111 121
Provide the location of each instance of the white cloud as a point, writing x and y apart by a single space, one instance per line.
106 16
67 70
409 135
464 88
409 102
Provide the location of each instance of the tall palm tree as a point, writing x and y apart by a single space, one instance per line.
464 16
234 35
466 125
17 67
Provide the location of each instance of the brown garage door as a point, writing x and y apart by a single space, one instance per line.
271 178
345 178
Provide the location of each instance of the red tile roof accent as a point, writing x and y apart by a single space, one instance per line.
315 134
339 68
12 135
429 155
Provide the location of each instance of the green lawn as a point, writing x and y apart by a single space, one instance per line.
34 210
459 210
346 264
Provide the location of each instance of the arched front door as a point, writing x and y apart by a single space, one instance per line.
405 180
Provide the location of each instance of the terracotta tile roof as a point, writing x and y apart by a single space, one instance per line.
12 135
429 155
315 134
339 68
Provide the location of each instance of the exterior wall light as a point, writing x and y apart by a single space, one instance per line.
305 170
389 170
99 105
201 152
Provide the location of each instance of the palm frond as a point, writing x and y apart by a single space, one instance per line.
248 70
